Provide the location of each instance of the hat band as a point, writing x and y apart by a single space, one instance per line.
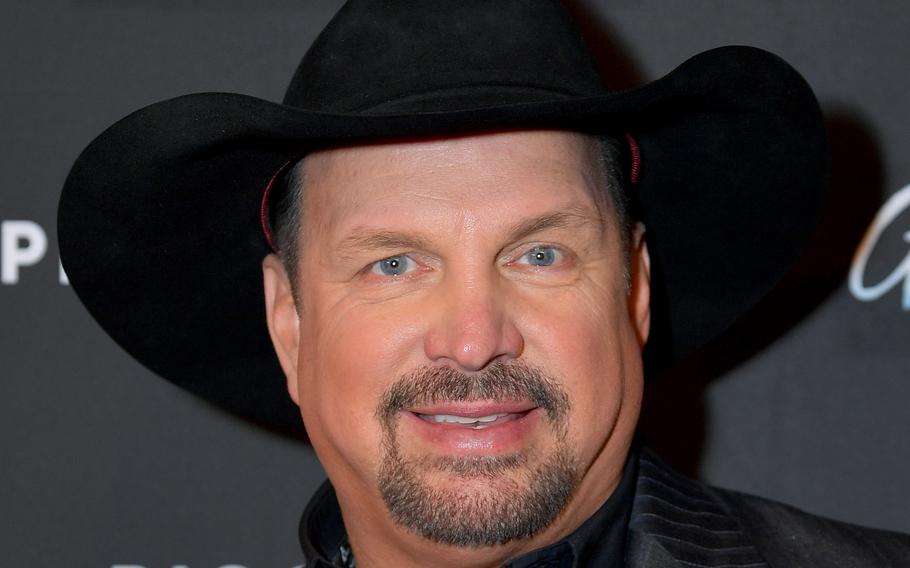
264 205
635 162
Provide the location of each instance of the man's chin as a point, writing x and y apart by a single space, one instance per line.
459 468
477 501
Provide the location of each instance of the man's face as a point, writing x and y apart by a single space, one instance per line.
465 350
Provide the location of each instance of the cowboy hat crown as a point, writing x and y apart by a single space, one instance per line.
388 57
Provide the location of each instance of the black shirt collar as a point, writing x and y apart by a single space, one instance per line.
599 541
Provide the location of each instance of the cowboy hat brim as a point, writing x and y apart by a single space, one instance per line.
159 219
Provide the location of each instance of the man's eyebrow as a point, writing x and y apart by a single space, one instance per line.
368 240
572 219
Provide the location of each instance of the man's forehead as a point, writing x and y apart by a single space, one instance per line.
522 170
458 147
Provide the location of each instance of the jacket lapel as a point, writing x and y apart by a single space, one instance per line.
680 523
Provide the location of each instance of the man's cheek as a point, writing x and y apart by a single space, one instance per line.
338 408
572 331
382 341
356 354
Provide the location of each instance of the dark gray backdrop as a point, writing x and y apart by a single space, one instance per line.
104 464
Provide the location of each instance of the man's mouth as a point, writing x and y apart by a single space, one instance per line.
474 426
506 410
473 422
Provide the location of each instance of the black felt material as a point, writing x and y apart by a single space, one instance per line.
159 218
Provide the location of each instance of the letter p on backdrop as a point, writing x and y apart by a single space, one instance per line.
22 243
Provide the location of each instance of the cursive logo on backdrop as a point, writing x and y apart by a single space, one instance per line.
896 204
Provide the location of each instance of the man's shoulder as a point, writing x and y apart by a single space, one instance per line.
787 536
677 521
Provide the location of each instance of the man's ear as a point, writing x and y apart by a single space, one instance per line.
640 284
282 319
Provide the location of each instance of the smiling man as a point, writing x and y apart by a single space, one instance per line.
489 348
465 242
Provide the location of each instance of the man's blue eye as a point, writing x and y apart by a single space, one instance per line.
542 256
392 266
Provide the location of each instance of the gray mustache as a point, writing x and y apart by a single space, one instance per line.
498 382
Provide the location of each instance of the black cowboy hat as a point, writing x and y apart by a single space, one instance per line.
160 218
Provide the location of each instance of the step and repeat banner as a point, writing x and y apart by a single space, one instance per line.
807 400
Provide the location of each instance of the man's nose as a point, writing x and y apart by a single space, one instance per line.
471 326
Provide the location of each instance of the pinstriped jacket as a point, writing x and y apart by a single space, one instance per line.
680 523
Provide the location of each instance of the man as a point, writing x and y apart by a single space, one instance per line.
497 341
471 243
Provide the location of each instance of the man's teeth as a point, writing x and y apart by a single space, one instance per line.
477 422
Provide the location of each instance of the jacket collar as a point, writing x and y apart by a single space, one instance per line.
680 523
322 536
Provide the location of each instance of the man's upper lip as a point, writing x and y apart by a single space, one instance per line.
474 409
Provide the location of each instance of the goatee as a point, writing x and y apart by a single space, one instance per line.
494 499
